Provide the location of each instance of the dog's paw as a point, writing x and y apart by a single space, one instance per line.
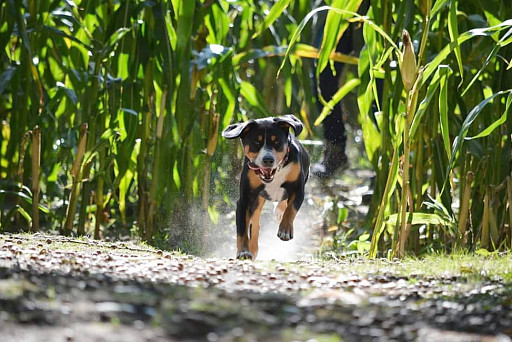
244 255
285 232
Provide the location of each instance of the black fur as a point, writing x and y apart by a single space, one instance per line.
271 134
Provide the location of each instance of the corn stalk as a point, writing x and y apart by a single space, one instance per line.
36 171
76 175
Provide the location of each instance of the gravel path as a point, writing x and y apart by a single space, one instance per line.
57 288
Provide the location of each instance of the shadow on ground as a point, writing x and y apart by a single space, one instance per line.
56 288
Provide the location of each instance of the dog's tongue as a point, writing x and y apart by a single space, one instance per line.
267 172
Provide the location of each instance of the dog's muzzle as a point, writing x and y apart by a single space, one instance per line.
266 174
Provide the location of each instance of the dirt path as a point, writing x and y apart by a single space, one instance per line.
57 288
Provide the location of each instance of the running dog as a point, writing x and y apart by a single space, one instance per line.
276 168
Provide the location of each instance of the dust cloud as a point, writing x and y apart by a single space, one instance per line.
304 245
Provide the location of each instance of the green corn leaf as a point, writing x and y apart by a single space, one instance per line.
70 93
272 16
496 123
26 198
439 5
443 113
391 182
371 134
185 25
333 30
459 140
230 110
335 26
116 37
311 14
443 70
264 52
16 209
102 142
454 36
249 92
218 25
489 58
420 218
55 32
288 87
24 213
338 96
19 194
479 32
211 55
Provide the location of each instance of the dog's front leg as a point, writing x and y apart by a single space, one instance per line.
242 231
294 203
255 226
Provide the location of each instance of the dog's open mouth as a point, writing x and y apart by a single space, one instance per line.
266 174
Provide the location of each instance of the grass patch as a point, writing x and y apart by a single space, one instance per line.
495 266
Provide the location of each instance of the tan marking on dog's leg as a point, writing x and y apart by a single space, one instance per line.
242 242
280 208
285 231
255 228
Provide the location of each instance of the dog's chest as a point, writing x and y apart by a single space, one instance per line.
274 191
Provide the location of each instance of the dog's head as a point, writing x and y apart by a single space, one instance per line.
265 142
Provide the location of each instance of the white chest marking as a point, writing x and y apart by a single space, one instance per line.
273 190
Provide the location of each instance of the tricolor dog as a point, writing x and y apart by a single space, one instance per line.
276 168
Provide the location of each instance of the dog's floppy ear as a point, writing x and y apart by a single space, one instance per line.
235 130
291 121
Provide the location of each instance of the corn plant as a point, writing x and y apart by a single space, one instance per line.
441 134
130 98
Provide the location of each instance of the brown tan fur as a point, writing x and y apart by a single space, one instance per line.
254 180
255 228
286 224
242 241
294 173
250 155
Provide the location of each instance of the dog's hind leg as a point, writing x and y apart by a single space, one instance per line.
255 227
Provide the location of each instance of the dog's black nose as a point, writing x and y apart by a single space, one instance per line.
268 161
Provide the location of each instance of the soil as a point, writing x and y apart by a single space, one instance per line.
55 288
